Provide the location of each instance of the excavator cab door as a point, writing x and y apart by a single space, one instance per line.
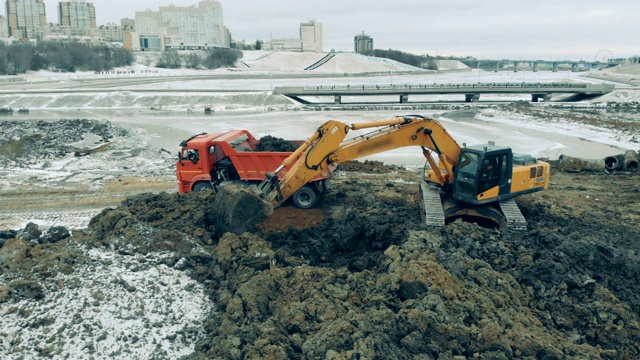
465 185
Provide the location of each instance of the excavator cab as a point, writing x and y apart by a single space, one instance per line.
483 174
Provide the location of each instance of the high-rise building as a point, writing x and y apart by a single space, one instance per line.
311 36
4 28
362 43
25 17
128 24
186 27
79 15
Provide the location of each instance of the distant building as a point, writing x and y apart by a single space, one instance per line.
112 32
132 41
362 43
4 28
311 36
25 17
128 24
291 44
186 27
310 39
79 15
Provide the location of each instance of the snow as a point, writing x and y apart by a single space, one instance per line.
112 306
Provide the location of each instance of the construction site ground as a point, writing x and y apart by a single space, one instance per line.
143 272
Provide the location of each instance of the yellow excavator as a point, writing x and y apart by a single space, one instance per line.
476 183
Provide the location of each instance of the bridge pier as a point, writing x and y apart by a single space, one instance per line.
471 97
404 98
574 67
515 66
555 67
337 99
497 66
535 67
538 97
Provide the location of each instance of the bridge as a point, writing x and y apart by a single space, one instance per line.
471 92
536 65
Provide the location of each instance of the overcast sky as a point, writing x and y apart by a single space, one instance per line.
516 29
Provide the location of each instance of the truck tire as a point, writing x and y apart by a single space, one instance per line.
305 198
203 186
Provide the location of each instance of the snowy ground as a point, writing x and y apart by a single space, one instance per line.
112 306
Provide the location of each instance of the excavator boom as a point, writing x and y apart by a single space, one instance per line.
327 147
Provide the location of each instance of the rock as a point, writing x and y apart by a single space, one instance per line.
6 235
30 232
26 289
55 234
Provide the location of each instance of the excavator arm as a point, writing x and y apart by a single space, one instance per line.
327 147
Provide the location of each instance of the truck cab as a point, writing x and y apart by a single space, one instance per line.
206 161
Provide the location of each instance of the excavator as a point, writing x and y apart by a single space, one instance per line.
475 183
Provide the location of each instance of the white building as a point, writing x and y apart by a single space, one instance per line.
310 39
191 27
112 32
311 36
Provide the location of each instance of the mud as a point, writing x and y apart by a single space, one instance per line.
361 277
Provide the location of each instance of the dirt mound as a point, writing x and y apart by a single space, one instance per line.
360 277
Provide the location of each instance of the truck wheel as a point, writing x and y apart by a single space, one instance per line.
305 198
202 186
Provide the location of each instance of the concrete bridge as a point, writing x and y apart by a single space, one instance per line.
471 92
538 65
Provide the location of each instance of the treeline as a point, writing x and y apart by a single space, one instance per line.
208 59
421 61
61 56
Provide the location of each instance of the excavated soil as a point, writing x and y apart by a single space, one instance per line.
360 277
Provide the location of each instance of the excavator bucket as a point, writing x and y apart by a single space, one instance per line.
237 209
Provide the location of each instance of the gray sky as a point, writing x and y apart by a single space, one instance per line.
516 29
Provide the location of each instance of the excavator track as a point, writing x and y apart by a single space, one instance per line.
431 205
513 215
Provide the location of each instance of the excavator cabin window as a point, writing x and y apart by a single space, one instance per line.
490 173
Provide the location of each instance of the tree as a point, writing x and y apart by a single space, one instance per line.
170 59
193 60
221 57
258 45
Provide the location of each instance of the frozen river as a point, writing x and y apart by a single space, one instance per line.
262 114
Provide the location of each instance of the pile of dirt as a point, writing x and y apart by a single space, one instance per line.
271 143
361 277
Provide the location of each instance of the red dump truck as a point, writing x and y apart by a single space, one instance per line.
207 161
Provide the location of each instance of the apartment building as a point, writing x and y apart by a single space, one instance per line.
25 17
4 28
78 15
192 27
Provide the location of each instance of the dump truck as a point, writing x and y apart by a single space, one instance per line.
208 162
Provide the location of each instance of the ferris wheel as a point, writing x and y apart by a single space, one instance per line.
603 55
